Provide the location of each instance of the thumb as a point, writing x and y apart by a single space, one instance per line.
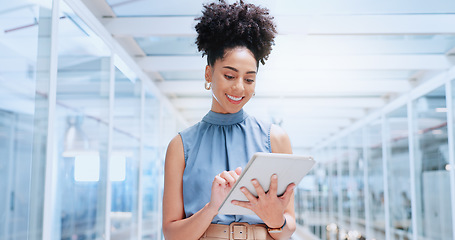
238 170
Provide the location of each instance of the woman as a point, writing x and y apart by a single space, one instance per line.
200 161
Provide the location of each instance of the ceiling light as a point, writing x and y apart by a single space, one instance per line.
441 110
76 142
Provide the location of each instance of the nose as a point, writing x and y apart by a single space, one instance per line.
238 85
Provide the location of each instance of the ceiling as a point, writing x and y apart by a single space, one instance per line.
334 61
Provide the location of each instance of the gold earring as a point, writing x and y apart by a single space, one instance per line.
208 85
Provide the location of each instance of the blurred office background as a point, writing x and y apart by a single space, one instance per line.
91 92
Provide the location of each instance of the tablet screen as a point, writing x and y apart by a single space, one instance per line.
289 168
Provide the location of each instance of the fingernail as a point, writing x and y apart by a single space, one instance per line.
242 189
254 181
274 176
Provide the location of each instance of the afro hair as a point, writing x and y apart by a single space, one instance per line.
224 26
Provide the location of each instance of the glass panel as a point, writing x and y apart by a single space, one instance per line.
23 116
434 214
124 161
399 174
335 182
323 200
344 184
305 207
331 228
152 170
81 130
375 180
357 184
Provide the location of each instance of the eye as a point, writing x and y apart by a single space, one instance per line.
228 77
250 80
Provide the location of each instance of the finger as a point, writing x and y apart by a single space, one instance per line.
248 195
228 177
288 193
273 185
219 180
238 171
242 204
234 175
258 188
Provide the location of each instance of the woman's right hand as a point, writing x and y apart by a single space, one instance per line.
221 186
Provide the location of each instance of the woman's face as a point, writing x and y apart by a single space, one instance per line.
233 80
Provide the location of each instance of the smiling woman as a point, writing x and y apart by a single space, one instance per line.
204 161
232 80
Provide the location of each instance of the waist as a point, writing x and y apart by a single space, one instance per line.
236 231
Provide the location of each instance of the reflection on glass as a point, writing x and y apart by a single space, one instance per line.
344 184
23 113
399 174
324 194
81 130
375 195
335 182
152 165
124 160
434 218
331 227
356 182
305 203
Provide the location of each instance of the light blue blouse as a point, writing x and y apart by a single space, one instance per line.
220 142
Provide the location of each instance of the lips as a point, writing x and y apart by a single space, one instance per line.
233 99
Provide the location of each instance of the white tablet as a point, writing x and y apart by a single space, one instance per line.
288 167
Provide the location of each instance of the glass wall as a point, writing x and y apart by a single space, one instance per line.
346 192
82 128
398 174
356 183
24 106
125 156
375 180
103 122
152 169
332 192
390 177
432 165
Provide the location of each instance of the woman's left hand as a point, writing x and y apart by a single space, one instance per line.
268 206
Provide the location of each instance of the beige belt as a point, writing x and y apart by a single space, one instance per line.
236 231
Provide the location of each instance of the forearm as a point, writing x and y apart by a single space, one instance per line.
288 229
192 227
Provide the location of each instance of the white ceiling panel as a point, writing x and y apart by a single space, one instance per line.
333 62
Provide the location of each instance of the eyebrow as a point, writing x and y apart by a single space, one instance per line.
236 70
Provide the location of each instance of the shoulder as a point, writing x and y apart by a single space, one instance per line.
279 140
175 158
176 143
175 148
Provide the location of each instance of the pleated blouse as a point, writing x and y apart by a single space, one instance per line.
220 142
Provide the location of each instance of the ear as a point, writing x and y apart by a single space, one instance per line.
208 73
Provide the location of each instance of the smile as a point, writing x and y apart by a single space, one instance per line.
235 100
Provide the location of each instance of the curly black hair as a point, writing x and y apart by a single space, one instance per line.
225 26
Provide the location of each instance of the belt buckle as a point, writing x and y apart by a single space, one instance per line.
238 231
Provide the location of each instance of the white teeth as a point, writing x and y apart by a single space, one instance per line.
234 98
